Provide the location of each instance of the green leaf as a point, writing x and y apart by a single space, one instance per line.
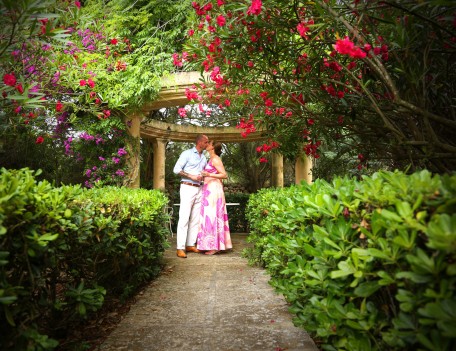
9 317
82 309
366 289
386 278
451 269
391 216
48 237
417 278
345 269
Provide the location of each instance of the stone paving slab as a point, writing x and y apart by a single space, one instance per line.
209 303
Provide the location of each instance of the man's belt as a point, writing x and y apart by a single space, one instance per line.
192 184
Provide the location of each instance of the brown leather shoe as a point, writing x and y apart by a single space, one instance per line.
192 249
181 254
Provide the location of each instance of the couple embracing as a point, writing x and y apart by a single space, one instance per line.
203 219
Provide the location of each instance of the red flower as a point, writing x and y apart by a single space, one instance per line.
19 88
176 60
344 46
302 29
58 106
82 82
106 113
121 66
255 8
39 140
191 32
263 160
114 41
77 4
90 83
221 20
9 79
347 47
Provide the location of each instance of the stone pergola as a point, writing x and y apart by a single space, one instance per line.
160 133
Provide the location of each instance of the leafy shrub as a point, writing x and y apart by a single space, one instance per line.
365 265
64 249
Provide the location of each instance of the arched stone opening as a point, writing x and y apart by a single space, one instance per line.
160 133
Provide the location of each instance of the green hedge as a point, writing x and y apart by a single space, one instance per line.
63 250
365 265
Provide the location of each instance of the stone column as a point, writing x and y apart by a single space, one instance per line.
277 170
133 128
303 169
159 147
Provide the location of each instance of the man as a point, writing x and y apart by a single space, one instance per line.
189 166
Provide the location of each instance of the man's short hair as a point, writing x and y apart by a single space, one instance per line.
200 137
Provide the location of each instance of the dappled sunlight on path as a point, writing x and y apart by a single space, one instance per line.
209 303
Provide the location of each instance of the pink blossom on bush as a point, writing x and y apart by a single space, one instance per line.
255 7
221 20
121 152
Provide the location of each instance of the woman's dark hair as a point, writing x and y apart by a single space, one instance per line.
217 148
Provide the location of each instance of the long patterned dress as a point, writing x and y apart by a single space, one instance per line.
214 231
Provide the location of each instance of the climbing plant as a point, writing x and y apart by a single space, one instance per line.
72 72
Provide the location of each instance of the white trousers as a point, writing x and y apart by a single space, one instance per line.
189 216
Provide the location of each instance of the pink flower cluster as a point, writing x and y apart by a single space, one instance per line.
311 149
255 7
247 126
267 147
347 47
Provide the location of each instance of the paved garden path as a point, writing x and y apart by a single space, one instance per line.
209 303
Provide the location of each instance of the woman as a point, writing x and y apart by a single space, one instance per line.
214 231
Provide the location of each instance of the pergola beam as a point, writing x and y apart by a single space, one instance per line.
186 133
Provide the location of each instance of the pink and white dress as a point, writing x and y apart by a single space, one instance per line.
214 230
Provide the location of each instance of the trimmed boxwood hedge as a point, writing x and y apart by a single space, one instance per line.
365 264
63 250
